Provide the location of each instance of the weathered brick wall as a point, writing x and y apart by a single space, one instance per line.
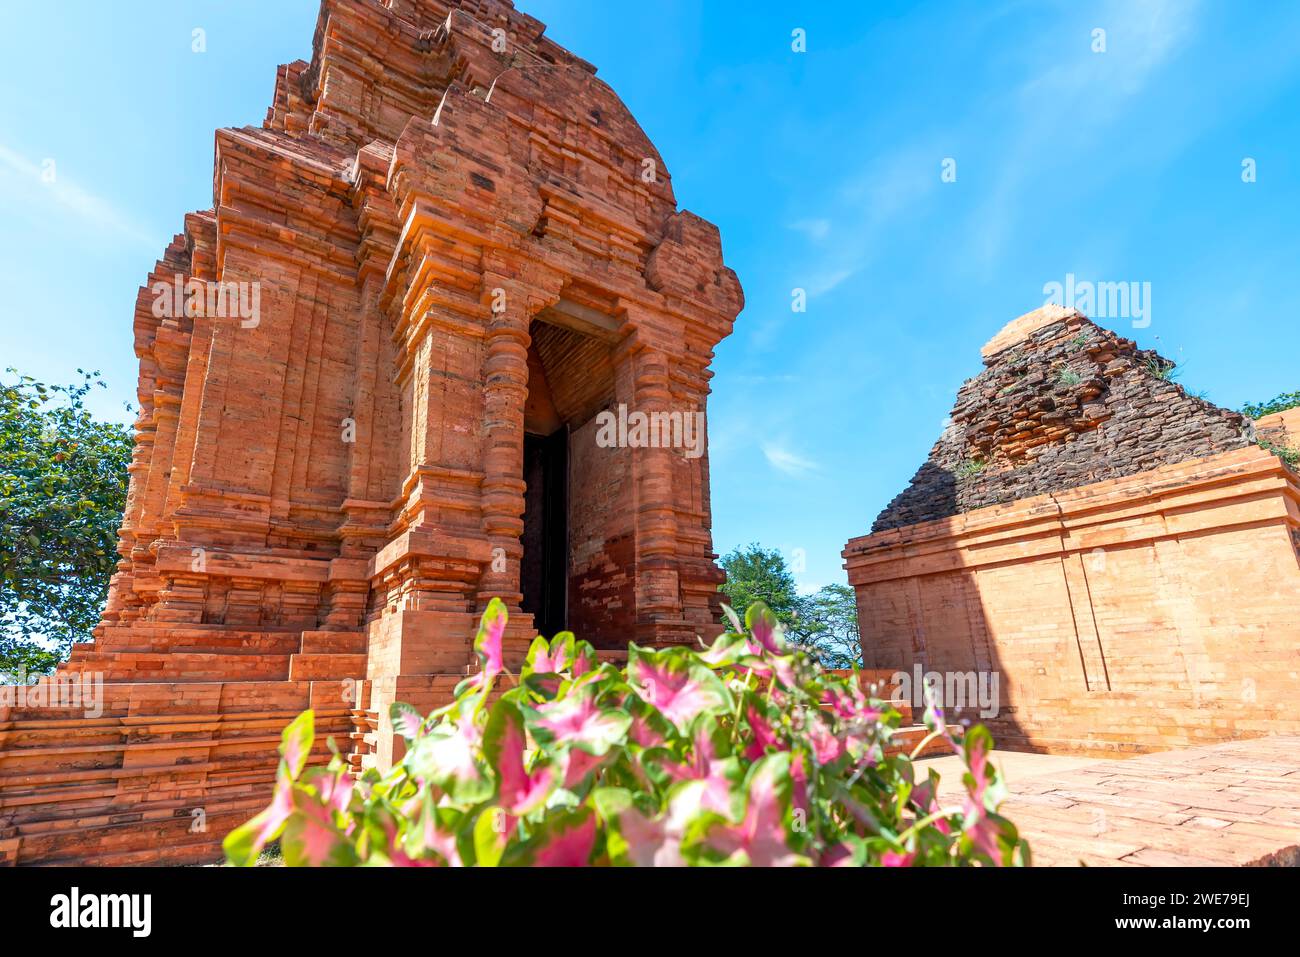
1137 614
1146 611
323 500
1061 403
602 560
1282 429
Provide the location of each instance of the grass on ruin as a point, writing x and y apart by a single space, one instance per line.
1288 454
1164 369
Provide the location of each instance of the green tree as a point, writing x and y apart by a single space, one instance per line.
825 623
63 483
828 626
755 574
1257 410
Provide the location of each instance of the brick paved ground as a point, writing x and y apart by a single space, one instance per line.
1227 804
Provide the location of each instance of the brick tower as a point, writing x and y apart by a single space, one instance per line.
371 382
1119 553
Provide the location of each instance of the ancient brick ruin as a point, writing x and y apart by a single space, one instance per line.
463 248
1122 554
1061 403
371 384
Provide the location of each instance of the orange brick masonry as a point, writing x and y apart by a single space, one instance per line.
1156 610
456 234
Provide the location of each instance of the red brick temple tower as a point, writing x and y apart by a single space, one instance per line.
370 382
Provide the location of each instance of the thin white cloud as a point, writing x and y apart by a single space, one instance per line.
1140 38
814 229
1075 98
894 185
787 462
22 182
824 282
1060 101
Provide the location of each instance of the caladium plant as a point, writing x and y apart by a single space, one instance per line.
745 752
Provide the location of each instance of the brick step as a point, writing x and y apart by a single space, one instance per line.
84 760
906 738
333 643
203 640
83 809
121 788
99 803
69 821
132 733
180 667
164 840
212 736
194 698
110 785
196 628
178 721
94 756
115 701
148 822
100 797
206 854
317 667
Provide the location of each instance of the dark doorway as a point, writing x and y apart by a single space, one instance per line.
544 574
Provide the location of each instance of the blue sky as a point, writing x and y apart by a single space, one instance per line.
823 170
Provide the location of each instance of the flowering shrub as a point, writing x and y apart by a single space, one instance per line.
746 752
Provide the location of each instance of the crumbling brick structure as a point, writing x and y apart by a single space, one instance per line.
1124 556
462 248
1061 403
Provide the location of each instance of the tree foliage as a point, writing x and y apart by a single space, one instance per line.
63 484
755 574
828 627
1287 400
825 624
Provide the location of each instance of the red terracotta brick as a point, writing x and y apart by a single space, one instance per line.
325 496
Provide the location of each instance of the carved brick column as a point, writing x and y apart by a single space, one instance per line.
505 389
698 575
658 595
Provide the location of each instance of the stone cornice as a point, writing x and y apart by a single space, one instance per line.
1239 488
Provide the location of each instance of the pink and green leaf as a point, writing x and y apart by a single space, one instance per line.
578 721
407 721
296 742
505 744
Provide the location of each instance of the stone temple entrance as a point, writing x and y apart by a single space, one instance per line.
544 567
324 499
